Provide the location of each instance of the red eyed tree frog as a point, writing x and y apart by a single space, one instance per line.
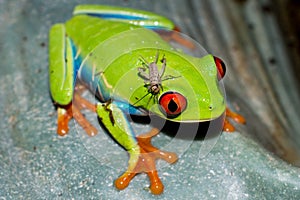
118 54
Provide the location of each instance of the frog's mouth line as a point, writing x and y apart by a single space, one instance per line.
186 129
194 121
150 116
163 117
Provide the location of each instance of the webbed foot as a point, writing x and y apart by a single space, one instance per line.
145 163
66 113
228 127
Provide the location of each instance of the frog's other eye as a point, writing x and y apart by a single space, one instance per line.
172 104
221 67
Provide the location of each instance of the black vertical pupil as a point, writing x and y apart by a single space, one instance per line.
172 106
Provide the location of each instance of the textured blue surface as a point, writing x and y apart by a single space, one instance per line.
35 163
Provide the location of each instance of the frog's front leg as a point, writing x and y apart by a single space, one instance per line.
61 81
142 154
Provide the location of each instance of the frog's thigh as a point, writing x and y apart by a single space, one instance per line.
128 15
61 65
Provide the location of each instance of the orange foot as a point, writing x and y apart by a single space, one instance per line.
146 163
228 127
65 113
174 36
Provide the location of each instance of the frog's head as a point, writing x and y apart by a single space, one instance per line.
195 92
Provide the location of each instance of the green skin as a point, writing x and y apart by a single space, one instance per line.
110 52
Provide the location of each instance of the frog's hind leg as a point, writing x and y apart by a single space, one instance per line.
63 66
73 110
126 15
228 127
80 103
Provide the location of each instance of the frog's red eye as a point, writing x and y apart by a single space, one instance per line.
172 103
221 67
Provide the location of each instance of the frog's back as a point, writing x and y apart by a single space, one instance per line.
88 32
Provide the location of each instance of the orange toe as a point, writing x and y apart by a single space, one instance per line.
156 186
123 181
228 127
63 117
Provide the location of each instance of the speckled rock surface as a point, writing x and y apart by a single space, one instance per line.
35 163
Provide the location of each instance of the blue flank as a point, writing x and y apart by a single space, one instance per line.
77 62
128 108
86 75
116 16
126 17
156 27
